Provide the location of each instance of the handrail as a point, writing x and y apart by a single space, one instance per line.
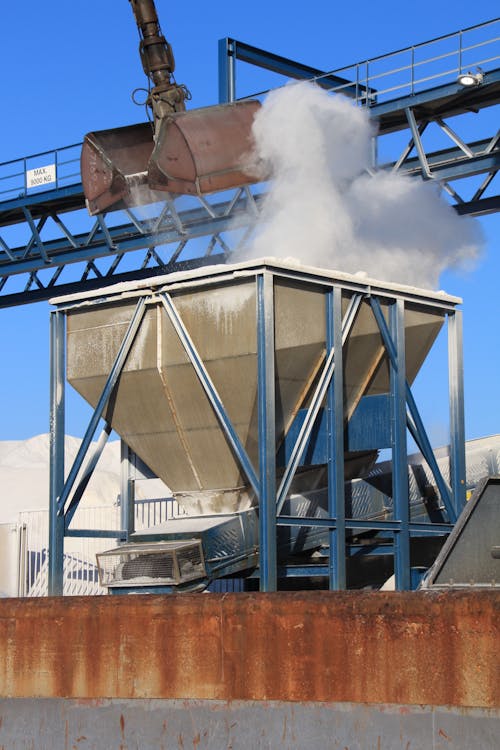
13 184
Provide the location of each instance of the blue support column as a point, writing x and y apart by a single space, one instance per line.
335 417
227 71
414 420
267 433
457 429
127 510
57 430
399 448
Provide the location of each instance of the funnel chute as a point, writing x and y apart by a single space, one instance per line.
161 409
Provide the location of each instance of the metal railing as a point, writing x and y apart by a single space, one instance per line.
48 170
419 67
80 570
404 72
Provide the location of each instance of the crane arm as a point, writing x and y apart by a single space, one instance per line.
166 96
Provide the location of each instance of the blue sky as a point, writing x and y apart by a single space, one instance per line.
71 69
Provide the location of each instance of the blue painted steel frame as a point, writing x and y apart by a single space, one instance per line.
414 420
267 432
127 491
316 401
57 440
456 395
60 490
399 446
264 484
210 390
335 428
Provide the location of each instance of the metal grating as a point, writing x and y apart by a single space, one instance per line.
162 563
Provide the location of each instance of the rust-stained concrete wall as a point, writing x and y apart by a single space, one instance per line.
383 648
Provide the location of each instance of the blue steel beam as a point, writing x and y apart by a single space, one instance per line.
335 428
316 401
87 474
57 444
127 491
421 435
235 50
457 422
125 238
266 400
448 100
400 492
210 391
366 525
120 534
109 386
453 163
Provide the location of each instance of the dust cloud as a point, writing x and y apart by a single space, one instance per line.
326 206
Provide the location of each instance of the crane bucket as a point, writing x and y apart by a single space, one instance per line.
200 151
114 167
204 150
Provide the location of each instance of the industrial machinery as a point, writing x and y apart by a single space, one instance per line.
470 556
200 151
218 379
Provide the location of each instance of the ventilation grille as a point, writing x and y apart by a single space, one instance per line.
160 564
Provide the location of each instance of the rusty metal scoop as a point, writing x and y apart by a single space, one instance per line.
195 152
198 151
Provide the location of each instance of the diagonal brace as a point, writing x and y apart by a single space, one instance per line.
315 405
210 390
424 443
109 386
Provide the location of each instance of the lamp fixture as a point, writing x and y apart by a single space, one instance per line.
470 79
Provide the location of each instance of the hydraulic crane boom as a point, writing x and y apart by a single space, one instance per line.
195 152
158 63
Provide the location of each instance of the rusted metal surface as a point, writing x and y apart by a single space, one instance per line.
114 167
196 152
204 150
50 724
398 648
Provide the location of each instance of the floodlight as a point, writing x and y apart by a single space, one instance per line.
470 79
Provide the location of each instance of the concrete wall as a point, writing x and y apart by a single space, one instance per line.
109 724
351 666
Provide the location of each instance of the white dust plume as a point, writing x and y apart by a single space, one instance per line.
326 207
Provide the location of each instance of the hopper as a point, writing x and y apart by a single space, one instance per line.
159 407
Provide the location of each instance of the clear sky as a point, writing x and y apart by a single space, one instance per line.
69 67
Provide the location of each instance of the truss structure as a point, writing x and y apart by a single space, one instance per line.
50 245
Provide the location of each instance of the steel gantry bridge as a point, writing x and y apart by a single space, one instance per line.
432 124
